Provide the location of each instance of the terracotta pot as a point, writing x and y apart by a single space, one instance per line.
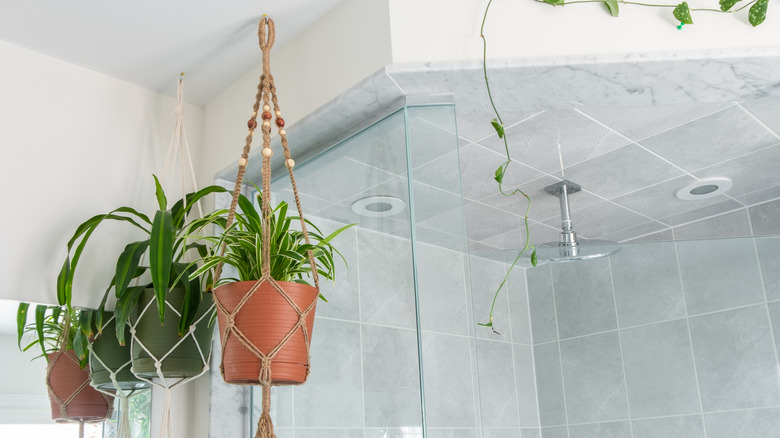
265 320
185 360
114 356
64 377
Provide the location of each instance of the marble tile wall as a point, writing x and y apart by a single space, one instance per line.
664 339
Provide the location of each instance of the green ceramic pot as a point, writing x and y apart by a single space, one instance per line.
114 356
185 360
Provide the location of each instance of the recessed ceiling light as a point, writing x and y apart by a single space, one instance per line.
704 189
378 206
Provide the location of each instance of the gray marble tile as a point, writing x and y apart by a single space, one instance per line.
542 302
497 390
769 259
758 423
447 373
735 359
530 433
774 319
478 165
621 171
516 238
549 384
760 196
341 294
518 307
690 426
501 433
619 429
661 236
484 222
386 280
535 141
733 224
764 218
382 146
391 378
583 297
442 173
712 271
327 433
226 402
486 276
712 139
766 110
451 433
647 283
431 133
660 373
555 432
441 280
639 122
333 393
593 379
639 232
600 219
702 213
749 173
475 125
345 179
394 432
526 386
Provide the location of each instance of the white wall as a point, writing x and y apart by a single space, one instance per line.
75 143
344 46
445 30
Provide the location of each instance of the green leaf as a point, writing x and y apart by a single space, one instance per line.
85 322
162 201
498 127
192 296
124 307
758 12
683 13
612 6
534 259
485 324
180 210
40 315
161 256
80 343
21 321
555 2
64 280
127 264
725 5
499 176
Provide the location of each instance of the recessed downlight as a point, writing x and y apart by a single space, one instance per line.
378 206
704 189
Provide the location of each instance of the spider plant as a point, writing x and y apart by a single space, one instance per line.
289 251
54 328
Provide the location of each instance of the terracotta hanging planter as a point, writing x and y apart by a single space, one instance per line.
265 319
179 360
65 380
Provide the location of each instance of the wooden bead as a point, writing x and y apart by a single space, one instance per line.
266 108
266 115
254 114
290 163
280 122
242 162
251 124
267 152
266 124
282 132
278 113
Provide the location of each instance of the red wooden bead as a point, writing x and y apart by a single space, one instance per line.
266 115
251 124
280 122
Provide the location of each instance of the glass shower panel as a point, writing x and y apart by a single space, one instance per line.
365 378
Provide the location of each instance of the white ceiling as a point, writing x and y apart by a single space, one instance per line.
149 42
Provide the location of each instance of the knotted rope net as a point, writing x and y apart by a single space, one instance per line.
266 92
72 362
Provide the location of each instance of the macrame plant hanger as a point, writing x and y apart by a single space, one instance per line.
266 91
64 354
177 146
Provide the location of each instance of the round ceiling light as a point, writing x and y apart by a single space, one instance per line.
704 189
378 206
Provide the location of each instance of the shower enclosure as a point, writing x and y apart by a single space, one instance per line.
660 339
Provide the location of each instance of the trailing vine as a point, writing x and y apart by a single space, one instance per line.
682 12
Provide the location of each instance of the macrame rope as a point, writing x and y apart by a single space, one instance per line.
63 404
266 93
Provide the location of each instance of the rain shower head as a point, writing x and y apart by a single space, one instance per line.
569 248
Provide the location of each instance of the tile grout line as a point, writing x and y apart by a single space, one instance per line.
533 351
475 388
620 347
360 336
690 339
560 355
512 345
757 120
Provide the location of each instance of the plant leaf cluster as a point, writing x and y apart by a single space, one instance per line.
54 328
289 251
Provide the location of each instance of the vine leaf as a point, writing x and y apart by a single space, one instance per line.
485 324
555 2
758 12
498 127
612 5
725 5
500 174
534 259
683 13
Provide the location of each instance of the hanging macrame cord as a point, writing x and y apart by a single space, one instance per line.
266 92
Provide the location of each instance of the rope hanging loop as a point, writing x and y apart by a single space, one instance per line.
261 360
